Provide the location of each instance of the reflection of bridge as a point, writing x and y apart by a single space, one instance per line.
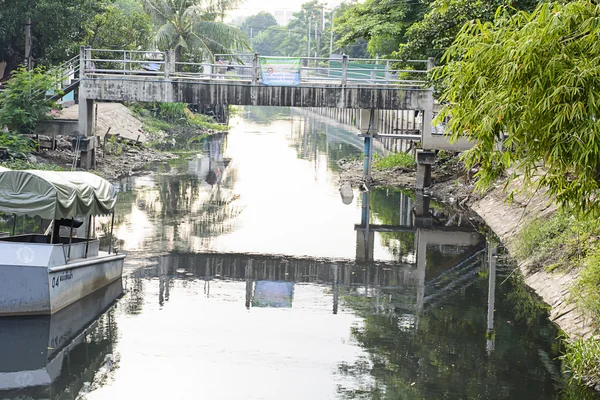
416 216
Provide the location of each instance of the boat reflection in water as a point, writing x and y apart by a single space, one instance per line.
53 357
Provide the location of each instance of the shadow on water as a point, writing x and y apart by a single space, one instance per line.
56 357
237 271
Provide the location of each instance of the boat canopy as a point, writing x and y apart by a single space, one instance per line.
2 169
55 195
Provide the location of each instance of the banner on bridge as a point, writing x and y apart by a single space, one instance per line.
279 71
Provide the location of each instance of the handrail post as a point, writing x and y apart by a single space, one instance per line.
169 66
255 69
344 69
82 61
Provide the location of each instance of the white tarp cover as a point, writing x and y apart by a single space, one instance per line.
2 169
55 195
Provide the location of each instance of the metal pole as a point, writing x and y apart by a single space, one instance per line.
87 238
70 238
332 26
52 222
308 47
14 224
28 65
112 224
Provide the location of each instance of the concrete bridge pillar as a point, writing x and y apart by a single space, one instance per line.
425 159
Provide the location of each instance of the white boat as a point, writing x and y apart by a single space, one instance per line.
42 273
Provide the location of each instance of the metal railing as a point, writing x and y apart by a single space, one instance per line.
246 68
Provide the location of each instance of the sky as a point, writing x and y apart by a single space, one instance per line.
251 7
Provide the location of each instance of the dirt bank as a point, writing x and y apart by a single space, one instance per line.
114 162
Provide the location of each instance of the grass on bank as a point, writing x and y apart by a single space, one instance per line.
582 359
394 160
563 242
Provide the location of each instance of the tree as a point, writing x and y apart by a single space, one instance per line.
194 26
525 90
257 23
124 25
435 32
22 103
58 28
382 23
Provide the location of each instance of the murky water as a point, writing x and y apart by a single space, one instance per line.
249 277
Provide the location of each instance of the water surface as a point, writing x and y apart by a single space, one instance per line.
248 277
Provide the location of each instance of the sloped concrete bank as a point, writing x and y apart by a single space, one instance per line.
507 220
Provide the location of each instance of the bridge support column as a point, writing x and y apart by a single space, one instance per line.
368 127
425 159
86 115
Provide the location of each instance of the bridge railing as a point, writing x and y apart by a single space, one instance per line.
343 70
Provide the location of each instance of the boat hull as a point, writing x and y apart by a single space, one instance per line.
36 290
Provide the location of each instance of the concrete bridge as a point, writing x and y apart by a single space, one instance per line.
372 89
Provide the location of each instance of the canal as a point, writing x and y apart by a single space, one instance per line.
248 276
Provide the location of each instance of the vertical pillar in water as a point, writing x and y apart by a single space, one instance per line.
368 125
364 236
367 153
249 283
490 334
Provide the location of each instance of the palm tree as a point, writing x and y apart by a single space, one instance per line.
195 26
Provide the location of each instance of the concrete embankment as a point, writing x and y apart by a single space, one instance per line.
506 220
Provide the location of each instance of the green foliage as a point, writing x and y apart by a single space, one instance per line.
586 291
17 144
582 359
560 241
172 125
22 104
382 23
58 28
194 27
435 32
394 160
257 23
172 112
114 146
533 78
124 25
